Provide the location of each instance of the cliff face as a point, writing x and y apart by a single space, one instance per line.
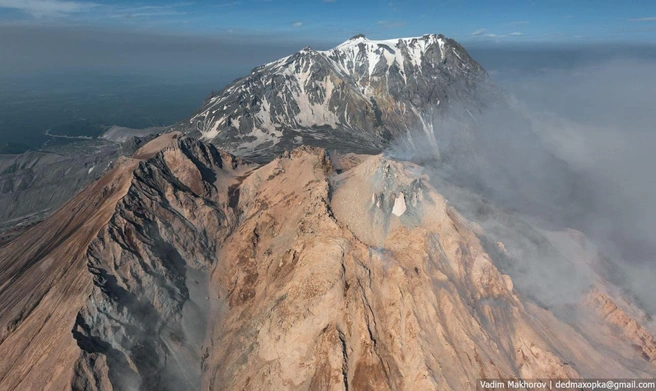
147 312
187 268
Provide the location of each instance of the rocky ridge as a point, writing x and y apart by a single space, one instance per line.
187 268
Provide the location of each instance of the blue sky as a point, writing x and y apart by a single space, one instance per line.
337 20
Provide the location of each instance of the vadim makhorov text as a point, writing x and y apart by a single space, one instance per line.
561 384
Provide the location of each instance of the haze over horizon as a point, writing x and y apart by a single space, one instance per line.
169 37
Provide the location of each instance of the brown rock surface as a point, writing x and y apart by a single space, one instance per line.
187 268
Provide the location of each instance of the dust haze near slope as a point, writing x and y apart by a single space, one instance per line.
600 119
574 148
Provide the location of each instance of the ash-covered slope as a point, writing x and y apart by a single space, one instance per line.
356 97
189 269
35 183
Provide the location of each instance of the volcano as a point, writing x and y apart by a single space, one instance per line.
272 242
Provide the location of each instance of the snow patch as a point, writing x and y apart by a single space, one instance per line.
399 205
260 138
212 132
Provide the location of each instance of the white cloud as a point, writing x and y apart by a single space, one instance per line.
62 8
297 24
483 33
47 8
390 24
647 19
148 11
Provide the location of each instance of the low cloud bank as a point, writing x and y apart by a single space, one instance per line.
571 148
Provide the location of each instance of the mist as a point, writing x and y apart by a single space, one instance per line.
600 120
566 147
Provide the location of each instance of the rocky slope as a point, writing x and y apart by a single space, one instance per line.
187 268
35 183
355 97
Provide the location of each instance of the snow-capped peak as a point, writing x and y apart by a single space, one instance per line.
363 58
380 55
363 89
361 38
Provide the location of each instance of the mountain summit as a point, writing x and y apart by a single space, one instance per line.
356 96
